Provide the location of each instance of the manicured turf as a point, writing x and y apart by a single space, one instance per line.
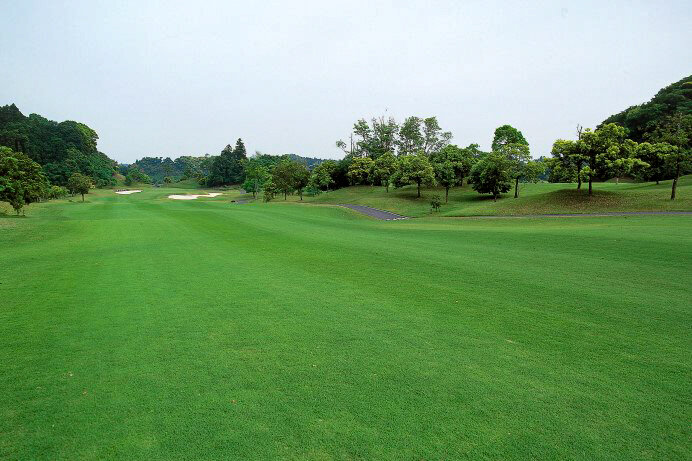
136 327
534 199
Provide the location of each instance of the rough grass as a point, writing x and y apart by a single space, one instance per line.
137 327
541 198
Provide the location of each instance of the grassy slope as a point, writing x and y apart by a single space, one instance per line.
534 199
136 327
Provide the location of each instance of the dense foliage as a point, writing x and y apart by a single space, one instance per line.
21 179
643 120
60 148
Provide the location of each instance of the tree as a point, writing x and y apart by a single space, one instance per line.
599 148
21 179
445 176
676 130
410 138
284 177
269 190
301 178
507 134
491 175
434 139
451 165
626 161
680 160
229 167
255 176
569 158
79 184
322 174
655 156
519 158
414 169
384 168
136 175
360 170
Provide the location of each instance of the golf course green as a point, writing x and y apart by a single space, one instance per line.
139 327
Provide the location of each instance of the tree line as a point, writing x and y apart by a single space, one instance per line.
61 149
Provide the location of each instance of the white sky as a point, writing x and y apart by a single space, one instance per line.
178 78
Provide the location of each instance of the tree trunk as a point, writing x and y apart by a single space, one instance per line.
579 176
446 194
301 196
516 188
494 197
675 180
387 186
82 197
617 180
657 182
285 195
590 187
418 189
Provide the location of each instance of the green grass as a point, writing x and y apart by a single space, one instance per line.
541 198
137 327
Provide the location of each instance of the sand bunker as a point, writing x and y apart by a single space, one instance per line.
193 196
127 192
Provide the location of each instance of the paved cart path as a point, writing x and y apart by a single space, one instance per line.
375 213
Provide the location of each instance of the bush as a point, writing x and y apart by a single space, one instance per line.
436 202
56 192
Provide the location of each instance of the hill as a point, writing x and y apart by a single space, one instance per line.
540 198
641 120
60 148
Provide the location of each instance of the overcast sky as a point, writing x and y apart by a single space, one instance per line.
180 78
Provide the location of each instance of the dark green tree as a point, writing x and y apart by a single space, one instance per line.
414 169
491 175
79 184
21 179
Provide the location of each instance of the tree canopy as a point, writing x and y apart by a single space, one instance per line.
21 179
60 148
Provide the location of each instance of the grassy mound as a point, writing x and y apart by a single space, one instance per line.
538 198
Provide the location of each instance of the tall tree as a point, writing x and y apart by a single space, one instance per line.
384 169
21 179
519 159
284 177
79 184
360 170
322 174
301 178
451 165
676 130
255 176
507 134
414 169
434 139
410 138
229 167
599 147
491 175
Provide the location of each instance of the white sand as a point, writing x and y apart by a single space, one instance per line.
193 196
127 192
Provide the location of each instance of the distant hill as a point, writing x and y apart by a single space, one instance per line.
60 148
309 161
642 119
